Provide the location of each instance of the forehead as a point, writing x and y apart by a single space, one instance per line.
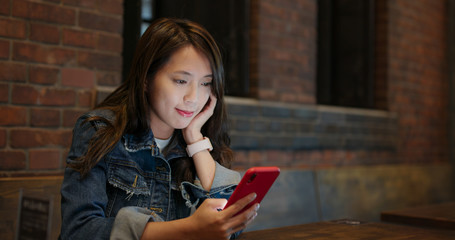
190 60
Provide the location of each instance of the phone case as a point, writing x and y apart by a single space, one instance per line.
256 179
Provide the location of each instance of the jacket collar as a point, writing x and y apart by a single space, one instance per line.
134 143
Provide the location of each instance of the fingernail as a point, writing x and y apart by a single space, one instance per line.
254 196
257 206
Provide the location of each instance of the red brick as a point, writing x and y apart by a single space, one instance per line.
3 136
44 33
13 116
57 97
256 158
86 99
100 22
415 74
277 25
44 117
241 160
4 93
43 96
275 11
77 77
108 78
111 6
31 52
24 95
12 160
311 158
4 49
32 137
4 7
12 28
44 12
70 117
110 43
99 61
13 72
246 159
43 75
44 159
78 38
82 3
279 158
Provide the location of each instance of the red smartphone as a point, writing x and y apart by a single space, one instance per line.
256 179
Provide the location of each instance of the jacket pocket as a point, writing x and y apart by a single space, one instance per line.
127 176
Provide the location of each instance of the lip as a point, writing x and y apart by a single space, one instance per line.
185 113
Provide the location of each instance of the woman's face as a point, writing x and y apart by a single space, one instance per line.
179 91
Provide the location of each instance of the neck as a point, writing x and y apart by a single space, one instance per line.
162 133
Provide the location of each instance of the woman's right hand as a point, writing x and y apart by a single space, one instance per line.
210 223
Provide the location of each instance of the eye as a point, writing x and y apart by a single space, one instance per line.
206 84
179 81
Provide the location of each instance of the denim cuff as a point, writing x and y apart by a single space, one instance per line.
130 222
223 186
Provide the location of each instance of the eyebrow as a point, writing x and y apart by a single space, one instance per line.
189 74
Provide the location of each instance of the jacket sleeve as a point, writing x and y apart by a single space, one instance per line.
131 221
223 186
84 200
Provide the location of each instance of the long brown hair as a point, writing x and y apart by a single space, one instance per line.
129 102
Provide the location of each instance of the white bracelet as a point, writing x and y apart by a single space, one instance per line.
199 146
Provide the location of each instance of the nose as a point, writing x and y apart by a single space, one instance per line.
191 94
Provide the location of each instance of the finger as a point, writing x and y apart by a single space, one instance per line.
212 103
247 215
239 205
213 98
241 226
208 109
251 219
253 216
242 220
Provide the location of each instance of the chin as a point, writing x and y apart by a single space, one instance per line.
181 126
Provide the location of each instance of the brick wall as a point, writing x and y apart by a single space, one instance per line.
296 136
416 75
411 85
55 57
283 50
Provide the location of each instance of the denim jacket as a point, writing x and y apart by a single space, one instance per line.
129 187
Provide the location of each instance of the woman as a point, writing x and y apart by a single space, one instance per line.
142 160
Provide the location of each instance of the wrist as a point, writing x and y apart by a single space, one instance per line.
188 227
199 146
191 138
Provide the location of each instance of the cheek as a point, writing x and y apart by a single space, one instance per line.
205 98
202 102
156 101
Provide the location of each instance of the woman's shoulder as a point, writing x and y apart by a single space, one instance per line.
97 117
102 113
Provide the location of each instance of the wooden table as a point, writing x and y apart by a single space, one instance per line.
348 229
436 216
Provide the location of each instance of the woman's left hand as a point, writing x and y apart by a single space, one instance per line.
192 133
